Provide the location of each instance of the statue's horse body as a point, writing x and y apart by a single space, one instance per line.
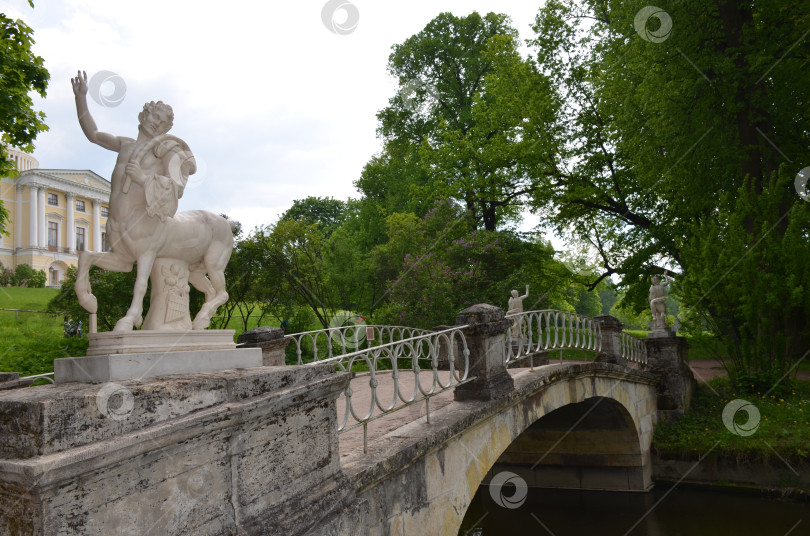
143 226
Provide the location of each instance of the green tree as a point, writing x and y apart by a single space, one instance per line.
669 145
294 250
25 276
326 212
453 129
112 289
20 73
440 264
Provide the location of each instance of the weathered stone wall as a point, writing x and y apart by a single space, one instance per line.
421 480
249 451
668 361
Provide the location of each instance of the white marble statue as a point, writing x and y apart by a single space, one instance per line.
658 302
516 306
149 177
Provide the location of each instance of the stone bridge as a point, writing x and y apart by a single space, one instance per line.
576 426
257 451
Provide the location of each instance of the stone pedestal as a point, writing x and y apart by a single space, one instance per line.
271 341
168 301
661 333
611 351
667 359
137 355
135 342
235 452
122 367
486 343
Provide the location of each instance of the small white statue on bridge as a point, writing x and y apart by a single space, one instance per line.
658 302
144 226
515 307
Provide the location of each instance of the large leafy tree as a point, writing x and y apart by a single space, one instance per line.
21 72
680 148
453 130
325 212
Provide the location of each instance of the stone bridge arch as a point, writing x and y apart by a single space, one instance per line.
443 478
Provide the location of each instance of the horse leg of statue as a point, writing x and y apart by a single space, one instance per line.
107 261
216 287
198 279
133 316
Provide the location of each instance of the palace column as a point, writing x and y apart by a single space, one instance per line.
96 225
41 229
18 237
32 216
71 226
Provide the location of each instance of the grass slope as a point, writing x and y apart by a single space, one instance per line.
29 342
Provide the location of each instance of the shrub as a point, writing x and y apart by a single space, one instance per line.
25 276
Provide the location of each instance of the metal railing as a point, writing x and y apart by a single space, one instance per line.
533 332
26 381
325 344
410 372
633 349
18 311
46 376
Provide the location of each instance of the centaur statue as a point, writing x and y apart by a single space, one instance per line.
143 226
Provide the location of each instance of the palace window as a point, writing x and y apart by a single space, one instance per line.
105 242
79 238
80 205
53 200
53 235
105 212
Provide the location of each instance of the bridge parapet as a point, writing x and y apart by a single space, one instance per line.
541 331
413 366
326 344
619 347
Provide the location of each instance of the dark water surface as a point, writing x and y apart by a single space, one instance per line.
686 512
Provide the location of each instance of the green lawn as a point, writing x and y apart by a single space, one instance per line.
35 299
783 431
29 342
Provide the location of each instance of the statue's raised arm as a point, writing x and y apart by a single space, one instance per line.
108 141
525 295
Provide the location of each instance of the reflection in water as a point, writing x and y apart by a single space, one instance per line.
658 513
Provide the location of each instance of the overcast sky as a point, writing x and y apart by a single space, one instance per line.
277 100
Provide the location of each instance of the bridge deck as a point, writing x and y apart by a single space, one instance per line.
351 442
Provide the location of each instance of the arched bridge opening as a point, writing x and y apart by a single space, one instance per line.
592 444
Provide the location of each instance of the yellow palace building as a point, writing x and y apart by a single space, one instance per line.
54 215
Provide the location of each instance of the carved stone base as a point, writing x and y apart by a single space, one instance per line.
136 342
122 367
135 355
168 301
661 333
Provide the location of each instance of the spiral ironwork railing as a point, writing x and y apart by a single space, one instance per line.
541 331
329 343
420 367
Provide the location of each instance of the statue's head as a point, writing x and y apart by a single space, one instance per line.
515 293
156 118
656 280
